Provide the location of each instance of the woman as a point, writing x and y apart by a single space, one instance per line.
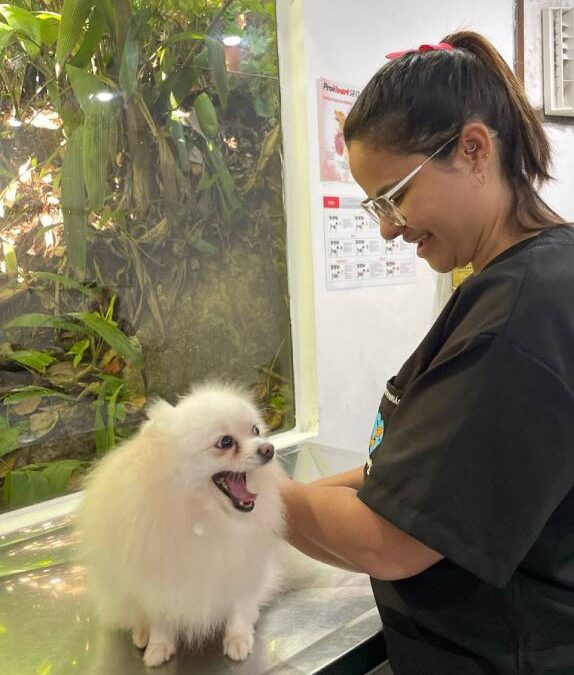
463 515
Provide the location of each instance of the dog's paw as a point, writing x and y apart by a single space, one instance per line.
140 636
157 653
238 647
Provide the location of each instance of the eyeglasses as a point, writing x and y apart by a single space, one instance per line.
384 208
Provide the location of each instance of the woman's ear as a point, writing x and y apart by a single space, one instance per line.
475 146
470 147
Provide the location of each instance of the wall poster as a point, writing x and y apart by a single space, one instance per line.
335 101
355 253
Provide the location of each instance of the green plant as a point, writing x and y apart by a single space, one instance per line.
34 411
37 482
137 165
110 411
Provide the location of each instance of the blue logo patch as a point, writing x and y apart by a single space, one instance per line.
377 433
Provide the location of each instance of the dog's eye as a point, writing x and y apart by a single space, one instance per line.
255 430
225 442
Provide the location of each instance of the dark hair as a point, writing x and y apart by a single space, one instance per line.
417 101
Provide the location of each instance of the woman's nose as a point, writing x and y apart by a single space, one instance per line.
388 230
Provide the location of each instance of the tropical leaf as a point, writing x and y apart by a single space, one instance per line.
93 35
26 25
269 146
22 487
73 18
49 26
108 8
74 204
201 60
9 437
25 393
206 116
216 55
230 199
98 146
177 84
169 171
112 414
67 282
111 334
38 482
99 131
38 320
129 64
100 431
100 428
60 473
6 34
135 37
90 90
77 350
10 260
201 245
177 133
183 37
31 358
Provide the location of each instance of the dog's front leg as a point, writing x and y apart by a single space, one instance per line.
161 645
239 629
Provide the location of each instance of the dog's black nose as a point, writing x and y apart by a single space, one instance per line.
266 450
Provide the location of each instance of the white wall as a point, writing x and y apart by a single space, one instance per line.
364 335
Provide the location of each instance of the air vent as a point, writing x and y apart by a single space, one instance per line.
558 50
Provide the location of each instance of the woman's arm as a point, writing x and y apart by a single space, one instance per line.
350 479
333 525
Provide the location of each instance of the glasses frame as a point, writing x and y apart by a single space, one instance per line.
373 206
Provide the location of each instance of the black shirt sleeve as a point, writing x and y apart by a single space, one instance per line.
477 456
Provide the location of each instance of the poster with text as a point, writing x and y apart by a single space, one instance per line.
335 101
355 253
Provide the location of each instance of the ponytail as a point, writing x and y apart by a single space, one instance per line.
532 150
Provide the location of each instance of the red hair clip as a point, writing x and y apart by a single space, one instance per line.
442 46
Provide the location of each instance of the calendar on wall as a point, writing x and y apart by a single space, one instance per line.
355 253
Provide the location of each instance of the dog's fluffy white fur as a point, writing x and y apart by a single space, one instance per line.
169 556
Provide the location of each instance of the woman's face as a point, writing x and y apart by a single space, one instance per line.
451 209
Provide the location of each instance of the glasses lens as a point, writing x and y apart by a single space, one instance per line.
386 210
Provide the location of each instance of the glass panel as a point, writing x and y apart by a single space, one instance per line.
142 232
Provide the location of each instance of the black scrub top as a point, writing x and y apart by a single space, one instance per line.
472 453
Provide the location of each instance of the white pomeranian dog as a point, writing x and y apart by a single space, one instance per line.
181 525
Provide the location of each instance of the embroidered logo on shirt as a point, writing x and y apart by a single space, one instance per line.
393 399
376 437
377 433
368 465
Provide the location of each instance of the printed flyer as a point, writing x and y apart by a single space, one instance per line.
335 101
355 253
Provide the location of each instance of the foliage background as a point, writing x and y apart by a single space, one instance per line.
142 229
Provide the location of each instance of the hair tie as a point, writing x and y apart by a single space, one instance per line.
442 46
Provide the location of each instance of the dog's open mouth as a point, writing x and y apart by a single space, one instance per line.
234 486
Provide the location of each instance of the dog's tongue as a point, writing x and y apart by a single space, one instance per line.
238 487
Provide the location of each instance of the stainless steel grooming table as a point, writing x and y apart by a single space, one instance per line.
327 624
